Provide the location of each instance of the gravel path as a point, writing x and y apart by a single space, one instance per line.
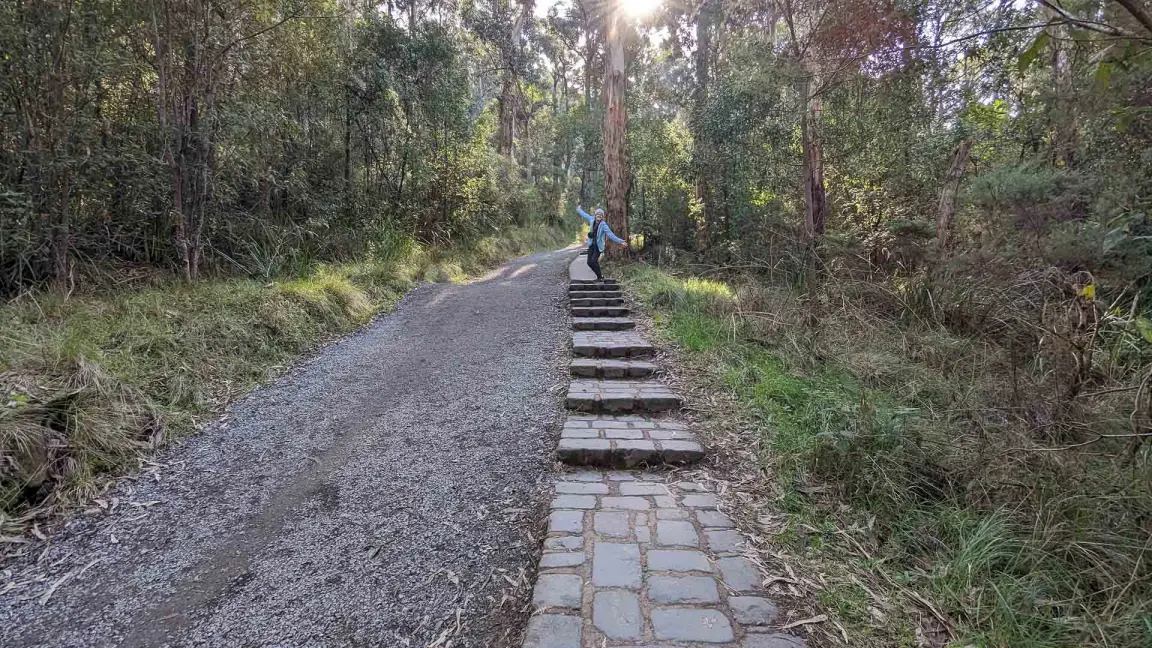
360 500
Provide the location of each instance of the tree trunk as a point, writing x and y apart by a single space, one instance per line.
702 144
815 194
616 178
505 140
947 210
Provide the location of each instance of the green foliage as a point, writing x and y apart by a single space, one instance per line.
898 418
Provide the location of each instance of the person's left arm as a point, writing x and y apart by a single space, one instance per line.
612 235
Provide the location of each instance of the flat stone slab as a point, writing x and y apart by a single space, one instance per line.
600 311
599 368
610 344
584 302
641 586
626 442
592 282
597 395
595 293
602 324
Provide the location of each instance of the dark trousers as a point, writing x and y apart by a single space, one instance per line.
594 261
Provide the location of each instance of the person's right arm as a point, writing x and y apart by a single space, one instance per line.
583 214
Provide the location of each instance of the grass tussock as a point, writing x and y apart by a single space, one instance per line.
91 383
930 461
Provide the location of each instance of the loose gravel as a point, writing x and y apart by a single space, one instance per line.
370 497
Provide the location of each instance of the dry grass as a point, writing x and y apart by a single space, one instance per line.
924 485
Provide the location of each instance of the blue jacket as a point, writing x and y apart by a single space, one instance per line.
605 231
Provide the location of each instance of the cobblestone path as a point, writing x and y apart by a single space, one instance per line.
637 557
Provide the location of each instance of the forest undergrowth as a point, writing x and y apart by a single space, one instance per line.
929 470
93 383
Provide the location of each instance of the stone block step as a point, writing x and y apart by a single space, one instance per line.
597 368
626 442
588 282
599 311
597 301
645 559
602 324
610 344
596 395
595 294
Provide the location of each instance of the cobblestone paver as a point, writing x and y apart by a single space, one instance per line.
595 395
602 324
610 344
649 573
626 442
599 368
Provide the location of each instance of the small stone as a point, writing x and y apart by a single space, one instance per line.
700 501
691 487
643 488
579 434
620 477
677 560
566 522
641 519
616 613
557 590
574 502
775 640
682 589
752 610
612 525
671 514
581 488
643 535
628 503
676 533
740 574
553 631
563 543
665 501
607 425
714 519
724 540
688 624
615 565
566 559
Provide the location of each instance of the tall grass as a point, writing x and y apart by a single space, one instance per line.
908 430
90 383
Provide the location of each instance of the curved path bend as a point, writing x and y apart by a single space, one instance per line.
360 500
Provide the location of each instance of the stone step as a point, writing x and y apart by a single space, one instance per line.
599 311
626 442
610 344
589 282
597 368
596 395
644 559
595 294
602 324
597 301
